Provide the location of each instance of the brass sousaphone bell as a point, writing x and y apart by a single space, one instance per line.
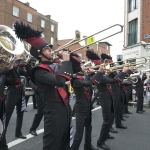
10 46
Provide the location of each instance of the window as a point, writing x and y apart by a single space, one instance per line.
52 27
132 5
29 17
132 35
42 23
52 40
43 35
15 11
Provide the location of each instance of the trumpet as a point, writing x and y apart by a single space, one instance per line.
70 44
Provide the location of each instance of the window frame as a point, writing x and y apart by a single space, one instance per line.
133 32
52 40
15 11
43 35
28 17
42 21
132 7
52 27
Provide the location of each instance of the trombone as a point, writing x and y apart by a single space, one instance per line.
126 63
66 46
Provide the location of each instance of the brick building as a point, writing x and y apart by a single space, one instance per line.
137 29
14 10
101 47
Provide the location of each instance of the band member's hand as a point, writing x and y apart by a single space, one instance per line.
90 70
66 56
131 68
67 83
125 69
144 72
101 69
11 67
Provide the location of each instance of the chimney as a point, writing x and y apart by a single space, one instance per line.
48 16
27 3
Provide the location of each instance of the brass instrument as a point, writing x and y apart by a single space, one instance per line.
133 80
27 56
10 46
126 63
66 46
134 77
70 89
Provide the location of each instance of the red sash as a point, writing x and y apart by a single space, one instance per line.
60 90
109 89
86 89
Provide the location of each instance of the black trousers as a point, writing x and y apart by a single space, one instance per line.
128 96
117 108
39 115
11 102
33 99
105 100
140 101
56 126
83 119
95 98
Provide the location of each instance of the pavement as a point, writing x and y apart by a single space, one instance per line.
135 137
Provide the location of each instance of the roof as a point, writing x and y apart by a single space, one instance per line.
63 42
105 43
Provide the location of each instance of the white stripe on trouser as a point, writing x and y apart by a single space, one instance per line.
71 133
23 103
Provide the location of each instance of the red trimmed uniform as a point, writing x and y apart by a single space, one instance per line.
15 82
51 86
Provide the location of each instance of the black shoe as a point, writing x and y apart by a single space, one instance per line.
21 136
112 130
128 112
143 110
110 137
122 119
139 112
124 115
103 146
121 126
91 147
33 132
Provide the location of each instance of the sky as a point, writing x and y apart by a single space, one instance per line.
87 16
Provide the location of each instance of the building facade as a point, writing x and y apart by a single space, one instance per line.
14 10
136 29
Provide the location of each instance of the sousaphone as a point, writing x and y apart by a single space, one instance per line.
10 46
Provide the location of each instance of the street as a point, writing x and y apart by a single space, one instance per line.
135 137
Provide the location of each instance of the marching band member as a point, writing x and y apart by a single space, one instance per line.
81 86
39 115
39 101
139 88
147 84
52 86
14 90
128 93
